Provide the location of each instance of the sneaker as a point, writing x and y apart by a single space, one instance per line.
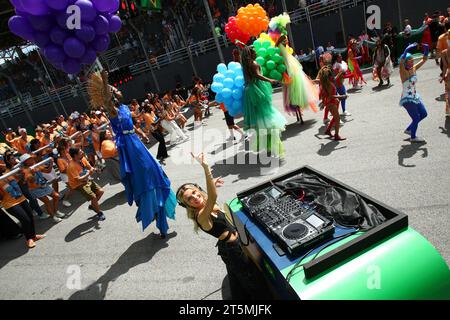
407 132
230 138
328 133
341 123
417 140
56 219
339 138
101 216
44 216
346 114
60 215
39 237
66 203
325 121
30 244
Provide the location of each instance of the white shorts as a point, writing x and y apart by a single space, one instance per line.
50 176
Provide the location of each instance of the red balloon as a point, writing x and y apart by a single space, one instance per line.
234 33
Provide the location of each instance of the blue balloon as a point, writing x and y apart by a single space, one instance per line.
233 66
61 19
222 68
226 93
101 43
228 83
89 56
115 23
71 66
237 94
239 81
88 12
230 74
35 7
219 98
41 23
57 4
74 48
218 78
20 26
217 87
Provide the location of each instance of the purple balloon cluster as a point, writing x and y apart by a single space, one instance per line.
47 24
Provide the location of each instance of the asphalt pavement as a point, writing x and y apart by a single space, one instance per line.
115 259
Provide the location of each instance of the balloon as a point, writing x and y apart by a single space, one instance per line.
274 74
239 81
41 23
226 93
281 68
271 65
86 33
58 35
237 105
264 71
252 20
237 94
20 26
217 87
89 57
271 51
106 5
101 43
35 7
74 48
222 68
115 24
218 78
266 44
71 66
230 74
88 12
41 39
233 66
235 34
18 5
257 45
101 25
262 52
54 53
228 83
61 19
57 4
261 61
219 98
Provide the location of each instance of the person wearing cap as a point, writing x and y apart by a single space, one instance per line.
14 202
79 172
38 186
9 136
38 133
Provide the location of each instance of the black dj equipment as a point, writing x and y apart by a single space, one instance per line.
295 224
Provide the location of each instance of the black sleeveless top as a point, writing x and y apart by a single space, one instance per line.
220 225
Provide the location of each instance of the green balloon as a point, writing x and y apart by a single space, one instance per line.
261 61
274 74
281 68
271 65
262 52
266 44
277 58
271 51
257 45
277 50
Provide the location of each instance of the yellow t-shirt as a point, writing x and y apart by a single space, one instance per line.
109 149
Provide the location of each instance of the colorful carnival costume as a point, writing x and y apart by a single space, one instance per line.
144 180
300 91
353 65
262 117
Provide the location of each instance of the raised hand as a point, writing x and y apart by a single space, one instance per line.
200 159
218 182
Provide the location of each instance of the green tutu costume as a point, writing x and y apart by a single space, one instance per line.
262 119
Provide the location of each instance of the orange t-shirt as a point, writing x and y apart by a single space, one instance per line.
9 200
149 119
21 144
442 42
75 170
9 137
30 177
71 130
109 149
63 164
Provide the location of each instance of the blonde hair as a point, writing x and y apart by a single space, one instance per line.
191 212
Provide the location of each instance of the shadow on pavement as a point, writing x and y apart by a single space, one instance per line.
90 226
329 148
408 151
294 129
441 98
446 129
116 200
11 250
138 253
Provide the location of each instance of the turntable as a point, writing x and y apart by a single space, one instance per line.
294 224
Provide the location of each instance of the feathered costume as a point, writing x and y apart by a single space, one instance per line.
144 180
299 92
353 65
